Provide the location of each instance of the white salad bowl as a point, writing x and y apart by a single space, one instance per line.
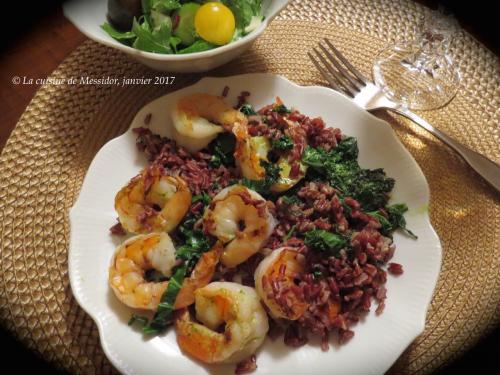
89 15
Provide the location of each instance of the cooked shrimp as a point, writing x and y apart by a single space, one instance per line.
152 202
274 282
131 261
198 118
235 306
240 219
202 274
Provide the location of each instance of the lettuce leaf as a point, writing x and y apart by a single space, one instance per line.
198 46
118 35
164 6
244 10
149 40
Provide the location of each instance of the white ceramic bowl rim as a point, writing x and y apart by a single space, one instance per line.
189 56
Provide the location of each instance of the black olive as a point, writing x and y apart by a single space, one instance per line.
121 13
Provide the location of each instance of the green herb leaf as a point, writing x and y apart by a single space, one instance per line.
118 35
222 149
281 109
272 172
317 274
165 6
314 157
186 227
326 242
244 10
203 197
282 144
272 175
159 19
174 42
146 6
290 233
194 242
163 315
347 209
215 161
149 42
247 110
347 149
386 228
290 199
397 219
259 186
142 320
370 188
198 46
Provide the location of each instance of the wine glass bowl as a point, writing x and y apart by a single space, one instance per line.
420 74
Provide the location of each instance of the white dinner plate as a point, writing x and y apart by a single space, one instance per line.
378 340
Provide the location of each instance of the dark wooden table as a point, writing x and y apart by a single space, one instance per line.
35 53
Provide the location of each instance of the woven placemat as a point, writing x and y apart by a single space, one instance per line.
44 162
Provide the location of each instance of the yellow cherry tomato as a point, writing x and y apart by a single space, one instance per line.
215 23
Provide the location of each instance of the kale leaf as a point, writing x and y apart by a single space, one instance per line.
283 143
142 320
315 157
290 199
324 241
395 219
347 149
196 244
247 110
193 242
272 175
222 149
281 109
370 188
203 197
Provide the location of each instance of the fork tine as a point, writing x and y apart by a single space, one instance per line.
355 85
361 78
335 75
326 75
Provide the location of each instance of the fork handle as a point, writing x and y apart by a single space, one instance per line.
488 169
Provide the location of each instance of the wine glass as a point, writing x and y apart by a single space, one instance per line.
420 74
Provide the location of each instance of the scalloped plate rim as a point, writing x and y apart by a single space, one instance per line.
75 212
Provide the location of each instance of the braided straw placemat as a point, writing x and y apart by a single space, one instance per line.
45 160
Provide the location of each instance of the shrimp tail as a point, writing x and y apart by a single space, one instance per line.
195 342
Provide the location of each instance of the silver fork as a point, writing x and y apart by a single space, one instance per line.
345 78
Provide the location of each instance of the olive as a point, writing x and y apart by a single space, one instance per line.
121 13
184 23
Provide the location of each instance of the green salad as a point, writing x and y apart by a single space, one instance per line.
180 26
